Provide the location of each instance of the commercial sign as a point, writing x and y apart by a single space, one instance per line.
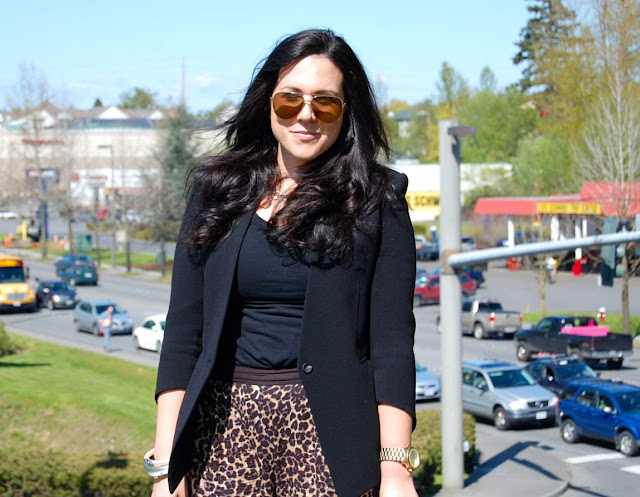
578 208
423 201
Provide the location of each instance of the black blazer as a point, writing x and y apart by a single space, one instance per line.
356 344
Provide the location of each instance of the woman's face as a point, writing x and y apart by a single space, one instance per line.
304 137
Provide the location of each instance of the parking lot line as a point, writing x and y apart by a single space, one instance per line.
632 469
593 458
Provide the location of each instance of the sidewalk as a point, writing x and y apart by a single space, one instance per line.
508 469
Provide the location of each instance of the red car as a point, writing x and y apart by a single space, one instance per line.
427 288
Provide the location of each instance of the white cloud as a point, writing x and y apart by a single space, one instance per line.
203 80
81 85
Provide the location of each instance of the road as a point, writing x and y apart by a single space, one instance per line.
599 468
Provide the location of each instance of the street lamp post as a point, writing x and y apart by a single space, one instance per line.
112 205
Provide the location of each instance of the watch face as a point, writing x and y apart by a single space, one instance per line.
414 458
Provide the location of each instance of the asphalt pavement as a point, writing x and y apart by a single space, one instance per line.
507 469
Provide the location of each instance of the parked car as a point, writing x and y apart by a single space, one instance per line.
555 373
477 275
55 294
150 334
6 215
71 259
426 250
604 410
427 288
87 316
468 243
506 394
577 336
79 274
427 384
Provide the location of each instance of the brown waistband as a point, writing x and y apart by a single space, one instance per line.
253 376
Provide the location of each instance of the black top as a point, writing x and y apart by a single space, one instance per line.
271 289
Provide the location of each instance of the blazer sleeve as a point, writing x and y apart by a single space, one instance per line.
182 343
392 326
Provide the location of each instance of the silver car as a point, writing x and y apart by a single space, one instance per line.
506 394
86 317
427 384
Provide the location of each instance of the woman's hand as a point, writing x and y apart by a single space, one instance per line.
161 489
396 480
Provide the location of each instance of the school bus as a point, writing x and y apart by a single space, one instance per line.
15 293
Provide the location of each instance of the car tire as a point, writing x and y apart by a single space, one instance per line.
548 423
574 353
76 325
136 343
615 363
478 331
417 301
522 352
95 330
500 419
569 431
50 305
626 443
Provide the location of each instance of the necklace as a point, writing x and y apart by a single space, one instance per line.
278 195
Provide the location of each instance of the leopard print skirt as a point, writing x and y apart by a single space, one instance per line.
260 441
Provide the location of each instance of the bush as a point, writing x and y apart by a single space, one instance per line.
8 346
72 475
427 439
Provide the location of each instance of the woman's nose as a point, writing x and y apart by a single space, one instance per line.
306 113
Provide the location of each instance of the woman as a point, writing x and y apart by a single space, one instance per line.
287 367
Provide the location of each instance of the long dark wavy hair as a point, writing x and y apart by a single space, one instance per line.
321 217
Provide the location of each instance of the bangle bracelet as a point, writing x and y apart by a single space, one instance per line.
155 468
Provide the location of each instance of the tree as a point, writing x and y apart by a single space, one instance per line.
610 153
218 113
551 23
138 98
542 166
488 81
30 100
97 103
165 207
452 88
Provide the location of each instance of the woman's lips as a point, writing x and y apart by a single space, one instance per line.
305 135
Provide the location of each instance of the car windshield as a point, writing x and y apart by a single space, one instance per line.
510 378
571 371
490 306
418 367
629 402
116 309
59 285
162 323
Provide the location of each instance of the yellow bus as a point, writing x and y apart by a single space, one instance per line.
15 293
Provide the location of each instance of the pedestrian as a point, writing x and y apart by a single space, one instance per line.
106 322
287 367
551 268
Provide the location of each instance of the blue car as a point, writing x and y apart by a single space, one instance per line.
79 274
604 410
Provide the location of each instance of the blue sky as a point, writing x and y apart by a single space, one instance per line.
101 49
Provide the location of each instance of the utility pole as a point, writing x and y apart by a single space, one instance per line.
112 216
450 305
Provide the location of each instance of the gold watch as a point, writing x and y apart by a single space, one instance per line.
408 457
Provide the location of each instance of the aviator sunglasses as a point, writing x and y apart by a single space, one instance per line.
287 105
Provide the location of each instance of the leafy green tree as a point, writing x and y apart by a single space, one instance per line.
137 98
452 88
218 112
488 81
97 103
543 166
550 23
502 121
175 157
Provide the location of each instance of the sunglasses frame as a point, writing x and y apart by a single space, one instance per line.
307 100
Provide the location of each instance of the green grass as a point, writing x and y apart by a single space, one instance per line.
64 399
613 321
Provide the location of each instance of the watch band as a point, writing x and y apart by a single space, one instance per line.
408 457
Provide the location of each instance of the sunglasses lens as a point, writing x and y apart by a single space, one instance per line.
287 105
327 109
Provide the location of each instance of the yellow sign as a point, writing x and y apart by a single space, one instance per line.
577 208
421 201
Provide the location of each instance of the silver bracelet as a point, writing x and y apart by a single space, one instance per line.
155 468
